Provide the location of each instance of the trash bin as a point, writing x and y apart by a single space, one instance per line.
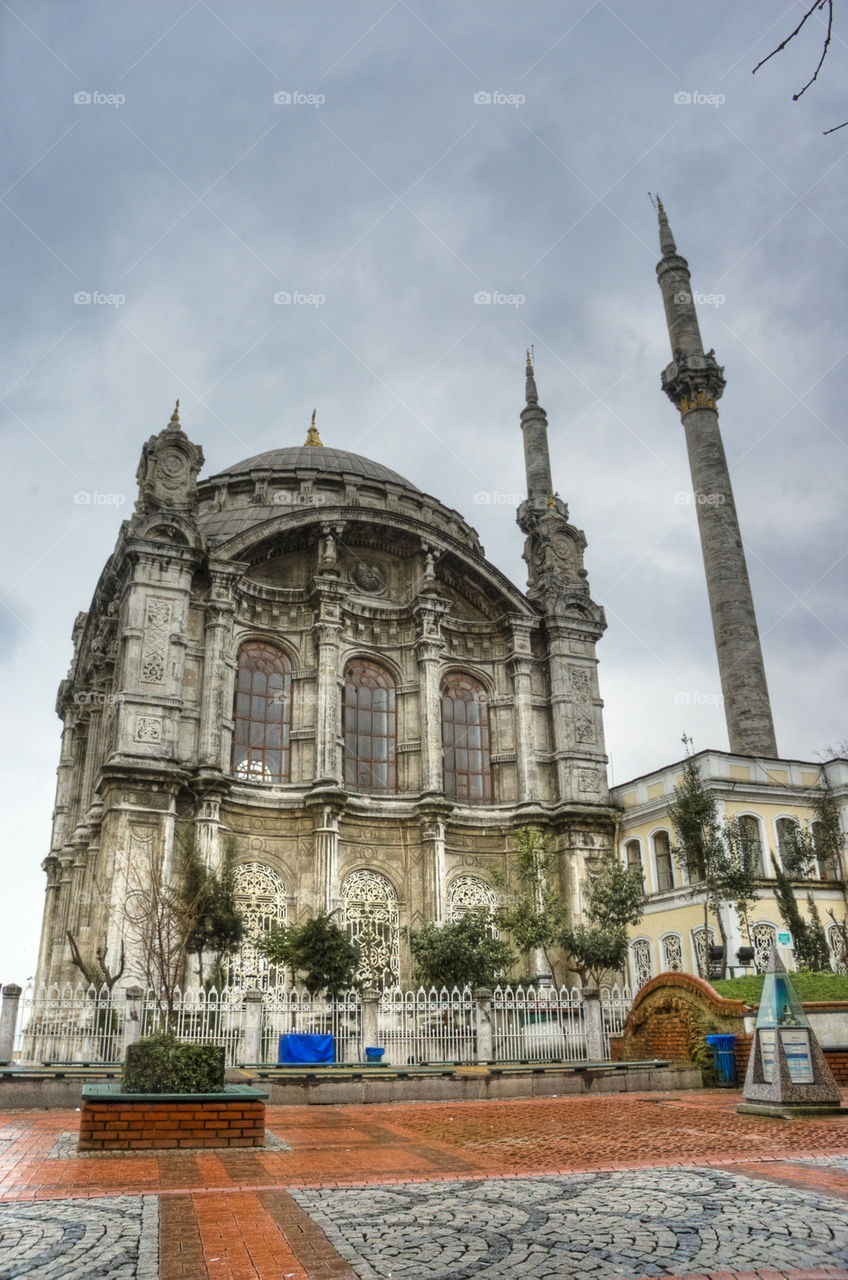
723 1058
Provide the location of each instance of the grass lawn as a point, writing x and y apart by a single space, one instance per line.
809 986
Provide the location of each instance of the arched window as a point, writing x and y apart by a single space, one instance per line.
643 967
372 920
763 936
787 838
465 739
751 841
470 893
672 953
262 713
633 853
702 940
662 860
838 950
369 724
827 854
261 899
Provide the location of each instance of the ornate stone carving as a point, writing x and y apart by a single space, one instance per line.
369 577
587 780
157 620
693 381
168 469
148 729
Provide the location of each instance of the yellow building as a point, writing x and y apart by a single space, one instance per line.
769 797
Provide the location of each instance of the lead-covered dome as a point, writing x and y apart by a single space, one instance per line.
320 459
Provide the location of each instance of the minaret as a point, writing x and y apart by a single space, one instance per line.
558 586
693 382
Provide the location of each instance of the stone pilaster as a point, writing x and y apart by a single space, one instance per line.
520 666
429 610
327 633
325 818
433 815
216 703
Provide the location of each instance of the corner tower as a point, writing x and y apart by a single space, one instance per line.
694 382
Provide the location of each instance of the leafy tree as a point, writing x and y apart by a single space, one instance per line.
811 949
318 951
537 915
616 899
218 926
819 843
461 953
717 860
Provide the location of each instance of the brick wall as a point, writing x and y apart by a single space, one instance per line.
136 1126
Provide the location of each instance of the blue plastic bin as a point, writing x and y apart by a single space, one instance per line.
724 1058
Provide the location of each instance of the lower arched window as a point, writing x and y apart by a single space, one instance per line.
763 936
262 714
470 893
262 902
838 943
372 920
465 739
643 967
672 953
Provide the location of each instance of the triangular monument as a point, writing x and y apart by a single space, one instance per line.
787 1073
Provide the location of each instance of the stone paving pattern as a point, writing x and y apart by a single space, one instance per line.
606 1187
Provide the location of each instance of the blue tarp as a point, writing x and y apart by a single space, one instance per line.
303 1048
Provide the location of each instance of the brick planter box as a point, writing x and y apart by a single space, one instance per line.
115 1121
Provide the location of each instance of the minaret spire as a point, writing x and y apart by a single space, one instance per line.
534 427
694 381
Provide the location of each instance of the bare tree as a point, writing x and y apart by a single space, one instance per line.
817 5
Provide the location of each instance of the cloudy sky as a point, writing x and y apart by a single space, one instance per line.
384 166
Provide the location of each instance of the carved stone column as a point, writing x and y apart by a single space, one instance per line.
327 632
218 635
433 815
325 818
429 611
520 665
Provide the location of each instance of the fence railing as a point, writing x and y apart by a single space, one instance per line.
538 1024
427 1026
522 1024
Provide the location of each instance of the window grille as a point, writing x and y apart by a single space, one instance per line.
261 898
643 967
372 919
672 953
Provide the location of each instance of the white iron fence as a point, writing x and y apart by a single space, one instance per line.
422 1026
70 1024
522 1024
297 1011
204 1017
538 1024
616 1003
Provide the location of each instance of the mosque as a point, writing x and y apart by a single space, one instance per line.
307 659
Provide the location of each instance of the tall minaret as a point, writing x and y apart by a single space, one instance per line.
693 382
558 585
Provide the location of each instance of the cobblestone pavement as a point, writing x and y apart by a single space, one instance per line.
610 1188
594 1225
108 1239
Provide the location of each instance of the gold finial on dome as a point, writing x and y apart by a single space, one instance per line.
175 416
551 501
312 436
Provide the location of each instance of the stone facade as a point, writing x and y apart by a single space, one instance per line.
247 627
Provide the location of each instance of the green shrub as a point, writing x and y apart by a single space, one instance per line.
163 1064
809 986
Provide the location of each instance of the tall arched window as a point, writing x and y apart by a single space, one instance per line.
465 739
787 838
642 963
827 851
663 862
470 893
262 713
751 841
372 920
633 853
369 721
763 936
672 953
261 899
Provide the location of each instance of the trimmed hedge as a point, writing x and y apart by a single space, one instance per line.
163 1064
